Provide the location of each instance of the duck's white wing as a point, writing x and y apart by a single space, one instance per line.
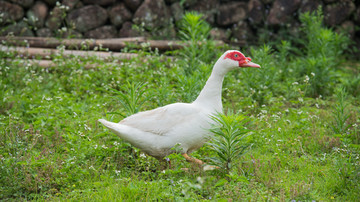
162 120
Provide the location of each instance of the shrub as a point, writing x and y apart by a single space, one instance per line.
229 141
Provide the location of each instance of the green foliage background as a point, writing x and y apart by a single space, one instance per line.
303 103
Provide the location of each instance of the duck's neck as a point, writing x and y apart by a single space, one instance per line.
210 95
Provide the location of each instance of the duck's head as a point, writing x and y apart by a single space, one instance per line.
232 59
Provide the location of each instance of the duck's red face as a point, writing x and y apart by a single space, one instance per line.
241 59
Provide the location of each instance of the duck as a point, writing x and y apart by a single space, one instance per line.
185 125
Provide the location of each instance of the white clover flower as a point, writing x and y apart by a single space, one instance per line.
306 79
87 127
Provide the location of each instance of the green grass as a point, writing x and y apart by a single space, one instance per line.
52 148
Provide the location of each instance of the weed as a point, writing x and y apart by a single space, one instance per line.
136 95
340 113
229 141
323 46
195 32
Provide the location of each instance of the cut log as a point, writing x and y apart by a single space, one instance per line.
115 44
44 53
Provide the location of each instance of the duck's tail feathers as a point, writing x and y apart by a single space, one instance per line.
132 135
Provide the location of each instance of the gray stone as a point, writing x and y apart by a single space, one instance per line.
357 15
71 34
176 11
241 32
231 13
133 4
152 14
10 12
55 18
37 14
219 34
256 12
99 2
83 21
191 3
17 29
337 13
347 27
51 2
104 32
310 5
267 1
330 1
70 3
282 11
44 32
208 8
118 14
127 30
23 3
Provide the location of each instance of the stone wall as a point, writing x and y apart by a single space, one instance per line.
232 20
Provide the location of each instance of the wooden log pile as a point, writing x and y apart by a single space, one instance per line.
44 49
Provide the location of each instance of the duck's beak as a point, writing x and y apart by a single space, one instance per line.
250 64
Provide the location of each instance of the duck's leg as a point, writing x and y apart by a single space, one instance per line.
193 160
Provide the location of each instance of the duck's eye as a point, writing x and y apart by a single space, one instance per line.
236 55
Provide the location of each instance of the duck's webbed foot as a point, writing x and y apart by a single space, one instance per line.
192 159
199 162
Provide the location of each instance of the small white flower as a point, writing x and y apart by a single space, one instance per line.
295 83
104 147
96 146
312 74
142 155
87 127
301 99
316 105
306 79
279 129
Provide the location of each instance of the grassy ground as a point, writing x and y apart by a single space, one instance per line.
304 130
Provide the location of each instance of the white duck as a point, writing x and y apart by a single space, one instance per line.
157 131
